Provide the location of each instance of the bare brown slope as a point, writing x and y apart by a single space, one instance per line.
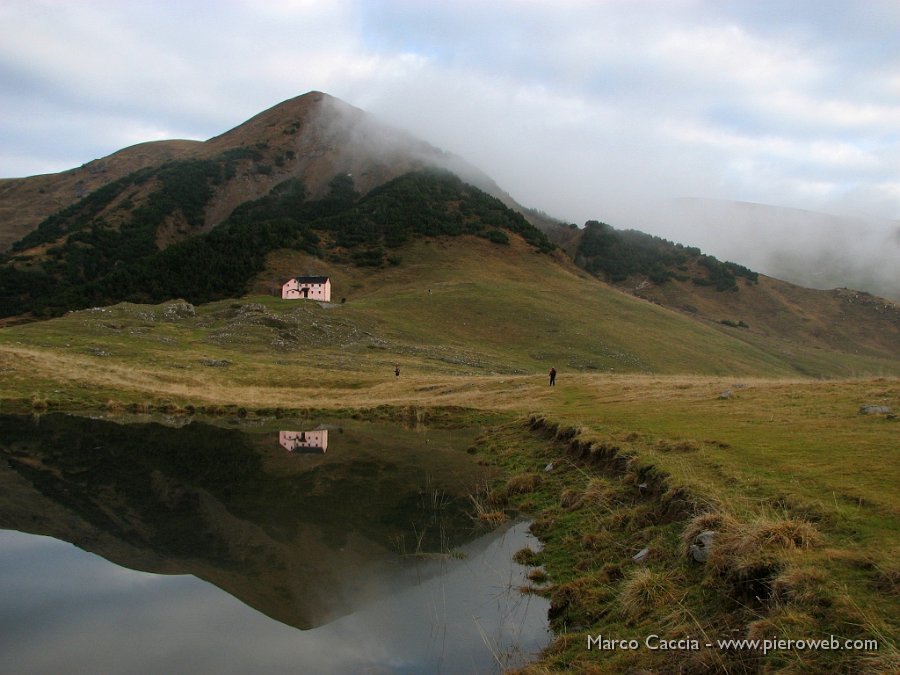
843 319
315 137
25 202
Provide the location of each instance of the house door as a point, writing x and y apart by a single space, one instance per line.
305 292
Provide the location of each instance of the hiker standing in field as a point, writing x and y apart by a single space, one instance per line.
397 371
553 377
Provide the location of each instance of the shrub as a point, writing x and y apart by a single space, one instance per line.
497 237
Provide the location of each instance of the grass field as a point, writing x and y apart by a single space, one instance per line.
647 447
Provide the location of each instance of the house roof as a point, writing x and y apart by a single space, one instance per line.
311 280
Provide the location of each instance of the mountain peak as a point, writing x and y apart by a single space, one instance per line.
312 137
316 136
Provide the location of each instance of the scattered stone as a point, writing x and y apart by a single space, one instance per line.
549 467
178 310
702 545
641 555
725 395
97 351
215 363
874 410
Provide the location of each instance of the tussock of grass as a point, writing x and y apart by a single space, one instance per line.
580 602
526 556
886 661
597 491
802 585
645 591
538 576
715 521
483 511
597 541
888 578
755 551
571 498
523 483
783 622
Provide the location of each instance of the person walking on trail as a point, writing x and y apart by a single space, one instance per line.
553 377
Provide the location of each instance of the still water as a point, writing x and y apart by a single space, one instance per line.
282 547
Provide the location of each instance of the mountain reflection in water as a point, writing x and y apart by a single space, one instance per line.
305 539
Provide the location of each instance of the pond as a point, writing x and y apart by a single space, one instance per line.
275 546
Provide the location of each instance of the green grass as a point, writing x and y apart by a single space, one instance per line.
593 515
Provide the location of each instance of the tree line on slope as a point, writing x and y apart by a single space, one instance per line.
616 255
98 263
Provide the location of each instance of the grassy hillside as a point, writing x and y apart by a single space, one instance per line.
454 306
77 258
197 220
842 319
683 278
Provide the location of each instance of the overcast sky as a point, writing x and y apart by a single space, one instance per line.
583 109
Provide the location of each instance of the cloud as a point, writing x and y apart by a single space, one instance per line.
803 247
454 615
582 109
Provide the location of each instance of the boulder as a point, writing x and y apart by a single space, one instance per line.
702 545
874 410
215 363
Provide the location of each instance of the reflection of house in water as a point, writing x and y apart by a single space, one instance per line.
313 442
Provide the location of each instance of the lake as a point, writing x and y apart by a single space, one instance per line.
132 545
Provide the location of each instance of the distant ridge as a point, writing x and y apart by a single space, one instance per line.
808 248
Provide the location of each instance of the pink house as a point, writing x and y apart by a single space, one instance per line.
304 441
312 288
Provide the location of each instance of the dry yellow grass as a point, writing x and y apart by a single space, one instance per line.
310 386
645 591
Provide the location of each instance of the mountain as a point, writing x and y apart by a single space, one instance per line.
308 159
316 185
77 258
313 137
